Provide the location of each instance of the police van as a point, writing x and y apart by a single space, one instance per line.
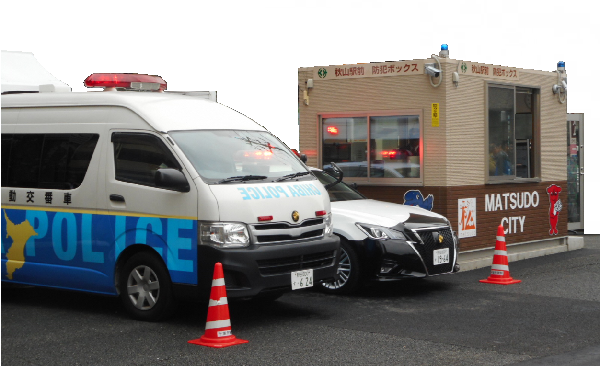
137 192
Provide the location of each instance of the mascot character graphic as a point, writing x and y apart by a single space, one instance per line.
555 207
415 198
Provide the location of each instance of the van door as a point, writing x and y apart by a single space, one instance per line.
144 214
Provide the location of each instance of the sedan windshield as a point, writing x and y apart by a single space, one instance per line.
338 192
227 156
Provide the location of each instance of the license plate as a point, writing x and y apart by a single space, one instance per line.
441 256
302 279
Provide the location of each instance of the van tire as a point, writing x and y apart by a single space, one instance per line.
349 272
145 287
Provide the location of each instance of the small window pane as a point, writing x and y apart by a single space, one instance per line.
139 156
6 145
24 166
395 147
345 143
65 160
501 131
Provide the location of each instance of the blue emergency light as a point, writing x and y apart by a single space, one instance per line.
445 48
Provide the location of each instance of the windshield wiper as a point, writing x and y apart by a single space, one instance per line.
291 176
242 178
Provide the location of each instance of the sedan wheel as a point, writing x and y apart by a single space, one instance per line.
348 273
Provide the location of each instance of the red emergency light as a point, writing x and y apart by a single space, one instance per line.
333 130
123 81
389 153
320 213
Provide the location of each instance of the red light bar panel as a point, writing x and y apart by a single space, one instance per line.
122 80
320 213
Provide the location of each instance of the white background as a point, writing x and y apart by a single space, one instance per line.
250 51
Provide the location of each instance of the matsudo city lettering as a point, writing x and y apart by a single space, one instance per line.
82 242
512 201
297 190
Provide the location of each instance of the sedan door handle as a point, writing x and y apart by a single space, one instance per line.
117 198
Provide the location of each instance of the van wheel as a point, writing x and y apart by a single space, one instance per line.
145 287
349 273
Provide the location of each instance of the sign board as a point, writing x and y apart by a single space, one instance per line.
414 67
435 114
488 71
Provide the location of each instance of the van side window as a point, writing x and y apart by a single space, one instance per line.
138 156
53 161
6 145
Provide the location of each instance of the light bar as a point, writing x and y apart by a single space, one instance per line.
123 81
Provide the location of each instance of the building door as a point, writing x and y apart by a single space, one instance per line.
575 170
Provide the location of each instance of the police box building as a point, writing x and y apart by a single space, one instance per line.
483 145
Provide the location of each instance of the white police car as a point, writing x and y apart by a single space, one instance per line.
383 241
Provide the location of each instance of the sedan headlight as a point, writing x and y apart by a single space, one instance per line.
380 232
223 234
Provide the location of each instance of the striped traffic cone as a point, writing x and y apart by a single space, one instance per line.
218 326
500 274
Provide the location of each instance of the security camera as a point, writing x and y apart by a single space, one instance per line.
564 84
432 71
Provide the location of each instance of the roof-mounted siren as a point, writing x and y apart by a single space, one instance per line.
560 87
135 82
444 51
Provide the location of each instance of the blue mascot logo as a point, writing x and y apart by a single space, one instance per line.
415 198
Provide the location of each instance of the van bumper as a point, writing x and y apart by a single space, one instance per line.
262 269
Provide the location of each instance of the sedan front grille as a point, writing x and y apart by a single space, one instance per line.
429 242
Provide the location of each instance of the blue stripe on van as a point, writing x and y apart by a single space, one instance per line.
79 250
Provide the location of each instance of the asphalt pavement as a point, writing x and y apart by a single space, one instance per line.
551 318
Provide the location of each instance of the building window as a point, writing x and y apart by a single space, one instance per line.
512 133
374 147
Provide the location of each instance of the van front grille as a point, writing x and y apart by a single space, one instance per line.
296 263
280 232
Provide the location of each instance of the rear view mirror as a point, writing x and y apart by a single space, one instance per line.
171 179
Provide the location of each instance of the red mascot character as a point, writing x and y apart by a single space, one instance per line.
555 207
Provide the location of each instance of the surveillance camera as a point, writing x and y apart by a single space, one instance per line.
564 84
432 71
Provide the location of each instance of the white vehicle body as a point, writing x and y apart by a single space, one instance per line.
141 193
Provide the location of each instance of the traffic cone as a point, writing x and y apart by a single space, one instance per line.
500 274
218 326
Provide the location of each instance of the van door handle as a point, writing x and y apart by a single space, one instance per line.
117 198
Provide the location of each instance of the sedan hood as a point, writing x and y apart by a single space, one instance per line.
384 213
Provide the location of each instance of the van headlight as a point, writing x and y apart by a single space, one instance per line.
328 224
380 232
223 234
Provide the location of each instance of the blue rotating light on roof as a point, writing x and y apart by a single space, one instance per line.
444 51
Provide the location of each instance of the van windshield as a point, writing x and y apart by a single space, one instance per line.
230 156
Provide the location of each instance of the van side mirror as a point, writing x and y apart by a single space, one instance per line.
303 158
171 179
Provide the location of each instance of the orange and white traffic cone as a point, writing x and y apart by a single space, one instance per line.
500 274
218 326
